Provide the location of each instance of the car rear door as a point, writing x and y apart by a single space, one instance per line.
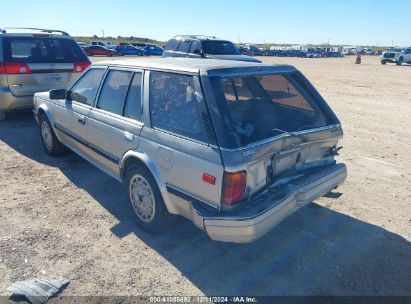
180 139
41 63
114 124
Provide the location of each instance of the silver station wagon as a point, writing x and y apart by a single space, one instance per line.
233 146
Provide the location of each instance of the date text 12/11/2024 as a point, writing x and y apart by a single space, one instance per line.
203 299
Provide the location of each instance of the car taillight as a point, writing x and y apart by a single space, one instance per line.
14 68
234 187
79 67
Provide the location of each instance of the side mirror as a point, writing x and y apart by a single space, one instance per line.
198 52
58 94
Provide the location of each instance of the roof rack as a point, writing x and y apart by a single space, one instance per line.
35 29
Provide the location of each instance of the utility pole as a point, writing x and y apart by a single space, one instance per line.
103 33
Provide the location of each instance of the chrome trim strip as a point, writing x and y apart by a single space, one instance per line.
95 149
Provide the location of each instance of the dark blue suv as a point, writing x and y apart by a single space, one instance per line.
204 47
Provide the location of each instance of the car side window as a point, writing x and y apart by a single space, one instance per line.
85 90
175 106
184 46
133 102
195 45
113 92
172 45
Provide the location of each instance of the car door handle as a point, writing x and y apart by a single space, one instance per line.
129 136
81 119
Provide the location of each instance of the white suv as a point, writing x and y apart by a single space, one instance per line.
403 57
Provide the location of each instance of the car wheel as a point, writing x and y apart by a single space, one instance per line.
146 200
50 141
109 54
383 62
400 61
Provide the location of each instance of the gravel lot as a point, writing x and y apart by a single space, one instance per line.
62 216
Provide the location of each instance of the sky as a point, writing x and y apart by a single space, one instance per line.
343 22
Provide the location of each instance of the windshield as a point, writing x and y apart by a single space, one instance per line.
219 47
42 50
261 107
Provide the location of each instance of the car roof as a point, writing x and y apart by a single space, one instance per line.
197 37
196 66
17 31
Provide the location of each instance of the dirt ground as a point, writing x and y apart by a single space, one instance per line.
62 216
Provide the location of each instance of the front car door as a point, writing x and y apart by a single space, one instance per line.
114 124
70 115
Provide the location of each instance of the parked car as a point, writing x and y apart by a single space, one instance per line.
368 51
33 60
124 43
256 51
106 44
153 50
82 44
204 47
98 50
403 57
129 50
233 146
139 44
245 51
397 56
390 55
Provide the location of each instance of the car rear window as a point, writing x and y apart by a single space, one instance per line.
219 47
261 107
42 50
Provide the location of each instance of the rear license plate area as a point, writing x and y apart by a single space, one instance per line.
53 78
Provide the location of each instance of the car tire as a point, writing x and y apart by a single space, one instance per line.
383 62
109 54
49 139
146 200
400 61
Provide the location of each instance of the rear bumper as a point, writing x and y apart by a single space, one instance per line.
251 224
9 102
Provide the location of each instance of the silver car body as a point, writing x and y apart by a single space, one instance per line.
17 89
112 142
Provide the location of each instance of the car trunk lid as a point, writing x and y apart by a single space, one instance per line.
281 159
43 77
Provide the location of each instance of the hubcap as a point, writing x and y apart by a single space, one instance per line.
46 135
142 198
